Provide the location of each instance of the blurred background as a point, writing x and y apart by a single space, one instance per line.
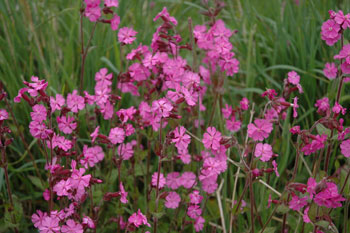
41 38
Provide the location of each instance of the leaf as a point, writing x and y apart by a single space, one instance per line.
36 181
322 130
270 229
282 209
110 64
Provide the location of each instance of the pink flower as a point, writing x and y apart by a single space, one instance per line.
50 224
199 224
344 54
126 35
155 180
103 79
270 93
112 3
297 203
233 125
92 155
337 108
63 187
329 197
75 102
162 107
211 138
94 134
195 198
38 218
173 181
3 115
227 111
39 130
244 104
138 219
194 211
92 11
345 68
295 107
264 151
274 164
181 139
126 114
39 113
306 215
61 142
57 104
295 129
316 144
188 180
88 222
115 21
35 87
293 78
330 70
343 20
164 14
116 135
260 129
72 227
66 124
322 105
46 195
345 148
330 32
184 156
123 194
126 151
172 200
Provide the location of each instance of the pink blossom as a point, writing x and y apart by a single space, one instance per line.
72 227
330 32
63 187
88 222
270 93
260 129
330 70
211 138
57 104
172 200
295 107
162 107
116 135
49 224
138 219
193 211
173 181
184 156
92 12
66 124
60 142
345 148
199 224
195 197
295 129
129 130
3 115
306 215
343 20
293 78
123 194
38 217
126 151
35 87
337 108
244 104
126 114
322 105
112 3
233 124
39 113
188 180
297 203
75 102
92 155
329 197
155 180
345 68
315 145
274 164
94 134
103 78
46 195
164 14
227 111
126 35
39 130
263 151
138 72
181 139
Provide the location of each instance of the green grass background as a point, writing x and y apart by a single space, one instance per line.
41 38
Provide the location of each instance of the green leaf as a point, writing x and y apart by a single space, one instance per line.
282 209
322 130
36 181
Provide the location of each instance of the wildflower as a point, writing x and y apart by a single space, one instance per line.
155 181
233 124
50 224
66 124
337 108
270 93
329 197
264 151
274 164
164 14
126 35
123 194
260 129
295 107
56 104
116 135
199 223
227 111
72 227
38 217
138 219
330 70
295 129
188 179
126 151
39 113
75 102
343 20
112 3
46 195
94 134
36 86
173 181
306 215
92 155
330 32
63 187
172 200
126 114
316 144
194 211
345 148
211 138
88 222
322 105
162 107
297 203
293 78
181 139
3 115
184 156
39 130
244 104
92 12
345 68
103 78
195 198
